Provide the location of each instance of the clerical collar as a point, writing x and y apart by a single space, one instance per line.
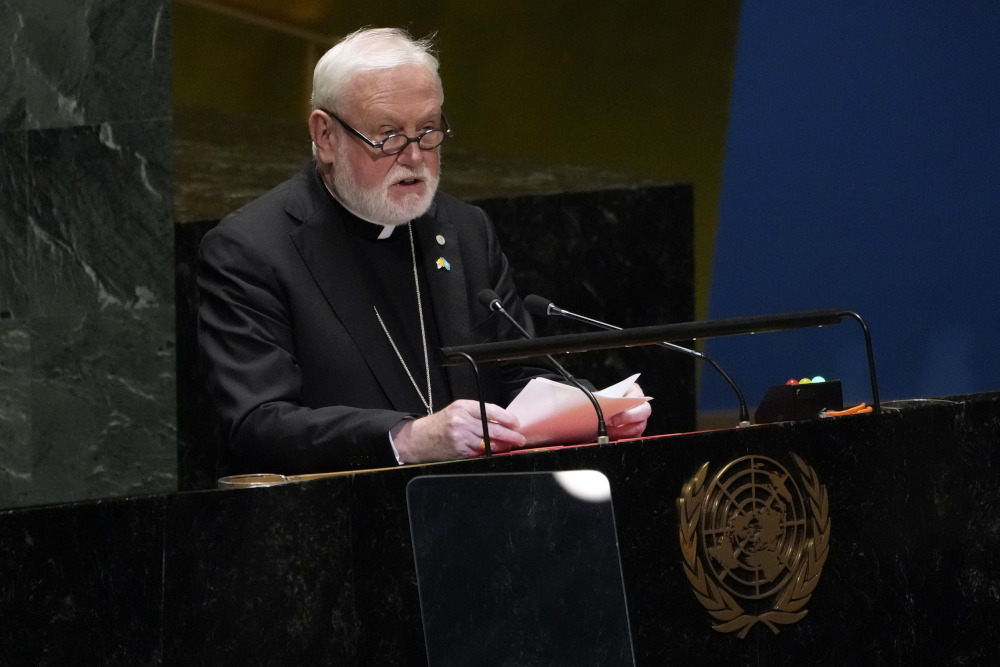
360 225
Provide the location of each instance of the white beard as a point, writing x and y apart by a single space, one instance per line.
373 203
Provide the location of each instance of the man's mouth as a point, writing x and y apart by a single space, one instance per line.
410 184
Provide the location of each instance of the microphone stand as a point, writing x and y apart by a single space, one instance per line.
482 403
534 305
491 300
732 326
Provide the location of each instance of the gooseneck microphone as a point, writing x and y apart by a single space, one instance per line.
491 300
537 305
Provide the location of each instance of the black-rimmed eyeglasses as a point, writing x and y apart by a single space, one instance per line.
397 143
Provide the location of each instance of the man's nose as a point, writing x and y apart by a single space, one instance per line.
411 155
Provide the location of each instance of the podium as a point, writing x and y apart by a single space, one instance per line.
324 572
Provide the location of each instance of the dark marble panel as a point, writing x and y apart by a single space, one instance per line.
82 585
15 413
216 175
13 225
965 547
626 252
259 577
384 572
226 160
86 204
199 430
624 256
102 404
874 584
903 584
323 572
95 61
12 93
886 594
100 214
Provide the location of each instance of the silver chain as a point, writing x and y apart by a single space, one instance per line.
429 401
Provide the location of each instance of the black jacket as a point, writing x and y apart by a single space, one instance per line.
298 367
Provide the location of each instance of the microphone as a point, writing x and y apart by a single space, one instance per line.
491 300
537 305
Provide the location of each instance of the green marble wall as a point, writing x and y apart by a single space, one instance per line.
87 379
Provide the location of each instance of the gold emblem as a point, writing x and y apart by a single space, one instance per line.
754 541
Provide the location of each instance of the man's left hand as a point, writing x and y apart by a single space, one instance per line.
632 422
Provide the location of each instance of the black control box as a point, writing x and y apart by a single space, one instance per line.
792 402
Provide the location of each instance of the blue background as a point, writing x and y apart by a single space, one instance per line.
861 173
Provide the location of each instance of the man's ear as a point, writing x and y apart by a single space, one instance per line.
322 132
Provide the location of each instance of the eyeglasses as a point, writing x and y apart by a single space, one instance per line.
397 143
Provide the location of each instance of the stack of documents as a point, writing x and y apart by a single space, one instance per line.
552 413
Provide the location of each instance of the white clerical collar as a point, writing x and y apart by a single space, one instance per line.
387 230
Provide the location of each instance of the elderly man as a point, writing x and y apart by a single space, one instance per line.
325 301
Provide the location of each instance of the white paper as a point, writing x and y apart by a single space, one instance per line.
555 413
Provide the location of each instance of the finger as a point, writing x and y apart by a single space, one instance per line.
637 413
494 413
497 415
502 438
506 437
496 446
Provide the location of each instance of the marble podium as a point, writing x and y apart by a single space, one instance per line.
322 572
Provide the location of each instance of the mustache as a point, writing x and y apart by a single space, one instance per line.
401 173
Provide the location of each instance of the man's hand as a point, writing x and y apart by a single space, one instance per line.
632 422
456 432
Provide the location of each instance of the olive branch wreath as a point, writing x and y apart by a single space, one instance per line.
789 606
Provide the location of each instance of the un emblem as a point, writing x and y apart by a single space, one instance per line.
754 540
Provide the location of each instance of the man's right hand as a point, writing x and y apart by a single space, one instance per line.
456 432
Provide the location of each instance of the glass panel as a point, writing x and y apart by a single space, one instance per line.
519 569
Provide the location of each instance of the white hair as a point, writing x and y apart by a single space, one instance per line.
365 50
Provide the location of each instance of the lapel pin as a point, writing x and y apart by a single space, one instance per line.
442 263
439 239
